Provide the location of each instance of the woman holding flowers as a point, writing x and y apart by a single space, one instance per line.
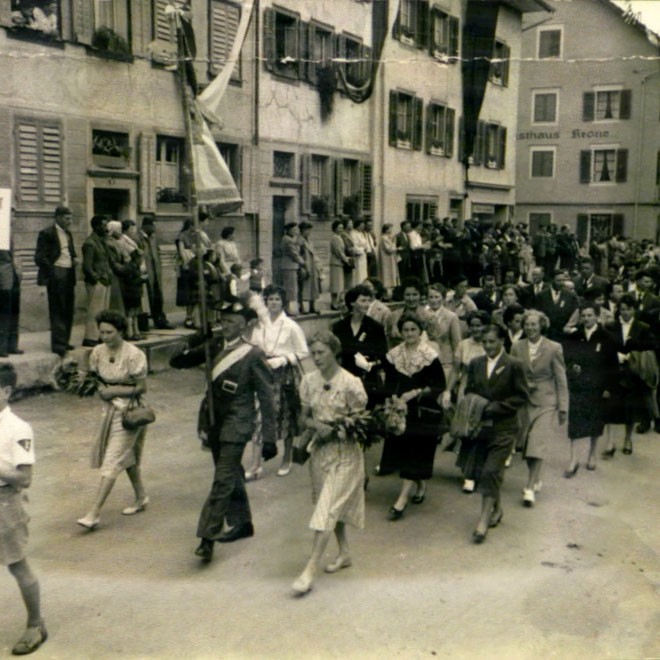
414 376
332 399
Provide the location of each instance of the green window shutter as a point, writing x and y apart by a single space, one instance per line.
582 228
418 123
305 191
501 153
585 166
270 53
222 34
621 165
625 107
310 66
450 120
163 49
366 67
454 36
147 169
394 102
83 21
367 190
588 106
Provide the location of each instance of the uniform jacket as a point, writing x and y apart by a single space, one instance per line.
48 252
96 262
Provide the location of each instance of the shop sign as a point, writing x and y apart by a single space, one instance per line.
483 209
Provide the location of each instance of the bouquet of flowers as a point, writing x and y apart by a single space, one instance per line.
356 427
71 379
392 415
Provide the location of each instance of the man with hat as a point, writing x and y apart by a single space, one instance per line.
239 371
56 258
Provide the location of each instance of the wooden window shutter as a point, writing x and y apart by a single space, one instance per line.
367 190
461 139
621 165
147 168
396 28
339 190
418 123
454 36
625 107
585 166
270 53
305 190
163 49
83 21
450 120
479 143
310 66
423 15
582 228
340 52
588 106
366 66
304 49
501 153
429 127
618 221
27 161
505 66
223 28
394 102
51 163
330 190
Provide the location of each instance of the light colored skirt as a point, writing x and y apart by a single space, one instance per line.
13 525
337 279
542 429
337 470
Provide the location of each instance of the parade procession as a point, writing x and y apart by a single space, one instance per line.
329 328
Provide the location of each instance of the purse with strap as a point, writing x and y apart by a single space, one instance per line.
137 414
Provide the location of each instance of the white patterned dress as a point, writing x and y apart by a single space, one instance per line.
337 467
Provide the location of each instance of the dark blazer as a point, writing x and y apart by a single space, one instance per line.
233 393
649 310
484 302
370 341
640 338
528 297
596 358
48 252
558 314
96 263
506 389
596 282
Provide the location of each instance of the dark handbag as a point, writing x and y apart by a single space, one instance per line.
137 414
300 447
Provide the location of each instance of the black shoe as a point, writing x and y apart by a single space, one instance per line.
238 532
495 520
205 550
643 427
608 453
395 514
656 424
569 474
627 448
478 537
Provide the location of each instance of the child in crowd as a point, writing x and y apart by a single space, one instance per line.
257 275
133 279
16 460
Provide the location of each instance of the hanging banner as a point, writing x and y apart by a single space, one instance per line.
5 218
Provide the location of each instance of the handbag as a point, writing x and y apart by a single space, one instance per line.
137 414
300 447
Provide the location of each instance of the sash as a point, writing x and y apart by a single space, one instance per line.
230 360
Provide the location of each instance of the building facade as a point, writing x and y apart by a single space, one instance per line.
589 109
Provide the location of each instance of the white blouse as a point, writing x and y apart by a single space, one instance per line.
280 338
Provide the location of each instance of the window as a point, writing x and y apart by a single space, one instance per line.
489 145
282 43
110 149
111 29
320 50
224 18
604 165
283 162
542 162
419 209
599 226
538 220
42 16
169 165
316 194
357 68
607 105
232 155
405 120
499 66
440 121
549 43
318 176
38 162
348 188
444 36
412 23
544 106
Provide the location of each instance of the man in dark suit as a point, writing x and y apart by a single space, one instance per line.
239 372
488 298
648 308
529 292
588 280
149 245
56 258
402 242
500 379
558 305
10 303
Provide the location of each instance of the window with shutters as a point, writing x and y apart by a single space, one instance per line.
355 66
544 107
444 36
38 162
412 23
419 208
499 65
321 49
599 226
549 43
406 120
111 26
319 177
42 16
169 166
224 18
542 162
282 42
494 143
440 130
232 153
604 165
607 105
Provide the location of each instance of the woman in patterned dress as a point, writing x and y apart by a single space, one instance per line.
337 466
123 368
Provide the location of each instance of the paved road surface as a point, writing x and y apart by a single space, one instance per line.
575 577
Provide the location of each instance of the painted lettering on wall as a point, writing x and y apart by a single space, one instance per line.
577 133
556 135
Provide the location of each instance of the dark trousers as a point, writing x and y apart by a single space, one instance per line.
60 288
156 302
228 498
10 305
493 448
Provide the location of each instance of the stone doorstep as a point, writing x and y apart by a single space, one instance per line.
34 369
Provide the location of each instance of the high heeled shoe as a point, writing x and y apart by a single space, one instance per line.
302 586
569 474
608 453
338 564
627 448
253 475
89 523
496 519
478 537
395 514
136 508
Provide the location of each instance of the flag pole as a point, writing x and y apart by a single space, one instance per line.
188 109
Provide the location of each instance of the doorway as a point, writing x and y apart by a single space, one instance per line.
112 202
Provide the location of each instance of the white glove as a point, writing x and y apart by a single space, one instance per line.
276 362
362 362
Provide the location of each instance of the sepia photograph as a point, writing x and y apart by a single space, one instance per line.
329 329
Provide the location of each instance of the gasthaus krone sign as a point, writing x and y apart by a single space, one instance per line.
5 216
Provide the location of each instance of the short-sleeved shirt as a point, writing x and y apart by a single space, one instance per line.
16 440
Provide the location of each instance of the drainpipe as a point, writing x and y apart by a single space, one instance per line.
640 146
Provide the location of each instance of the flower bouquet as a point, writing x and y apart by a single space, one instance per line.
392 415
71 379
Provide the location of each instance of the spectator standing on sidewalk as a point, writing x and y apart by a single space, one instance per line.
10 303
98 277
